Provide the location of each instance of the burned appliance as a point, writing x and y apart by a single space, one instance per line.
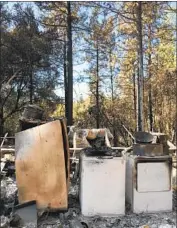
102 180
148 174
148 183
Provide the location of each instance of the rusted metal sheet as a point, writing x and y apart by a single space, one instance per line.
27 212
40 166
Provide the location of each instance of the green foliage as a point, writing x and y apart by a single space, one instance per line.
26 52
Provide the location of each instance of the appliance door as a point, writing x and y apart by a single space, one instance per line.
153 177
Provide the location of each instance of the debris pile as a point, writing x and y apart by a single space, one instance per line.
52 163
8 195
32 117
81 138
163 220
155 220
101 151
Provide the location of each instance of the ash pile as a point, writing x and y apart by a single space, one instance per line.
94 142
8 196
99 145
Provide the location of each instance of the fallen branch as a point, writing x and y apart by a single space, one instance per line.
171 145
114 148
130 134
7 150
4 139
126 150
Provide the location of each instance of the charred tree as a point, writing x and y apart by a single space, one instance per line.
1 100
140 63
176 77
31 84
70 67
113 103
150 87
134 94
97 88
65 76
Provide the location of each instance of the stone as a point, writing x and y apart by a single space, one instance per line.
143 137
4 222
75 224
16 221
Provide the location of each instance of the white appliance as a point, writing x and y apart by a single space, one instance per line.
102 185
148 183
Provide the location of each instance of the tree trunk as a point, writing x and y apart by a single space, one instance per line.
112 96
150 87
134 95
150 109
176 78
140 61
31 84
1 121
137 101
112 82
65 78
97 89
70 67
1 101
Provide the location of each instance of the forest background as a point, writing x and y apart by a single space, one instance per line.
100 64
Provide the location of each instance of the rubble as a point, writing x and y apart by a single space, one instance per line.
16 221
32 116
4 222
8 168
8 195
73 217
75 224
101 151
82 138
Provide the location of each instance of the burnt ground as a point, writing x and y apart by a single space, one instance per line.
64 220
158 220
